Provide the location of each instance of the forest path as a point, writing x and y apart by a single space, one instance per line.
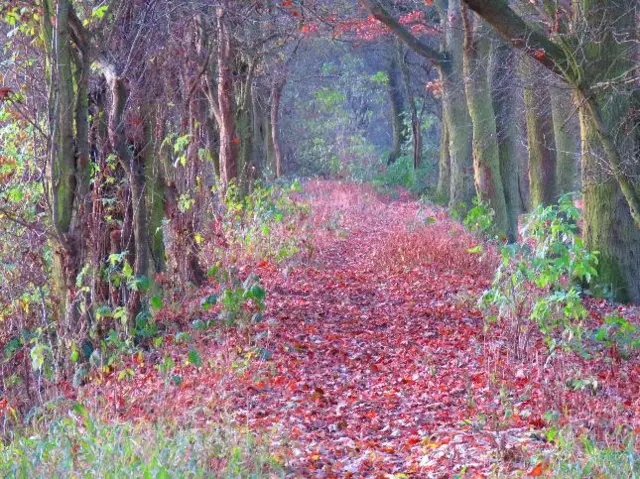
372 360
380 356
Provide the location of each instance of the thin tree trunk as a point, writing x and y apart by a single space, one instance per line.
416 134
276 95
395 101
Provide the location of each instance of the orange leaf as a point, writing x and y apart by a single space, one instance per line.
537 471
539 54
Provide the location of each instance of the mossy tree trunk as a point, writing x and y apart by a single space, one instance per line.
504 94
540 136
442 189
609 226
456 111
486 154
67 75
567 149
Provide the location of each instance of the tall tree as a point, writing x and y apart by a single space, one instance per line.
486 153
602 70
455 110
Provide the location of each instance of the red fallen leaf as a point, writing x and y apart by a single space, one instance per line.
413 440
5 92
235 140
538 470
370 414
539 54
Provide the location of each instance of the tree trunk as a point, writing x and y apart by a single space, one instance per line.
565 139
508 133
69 171
541 144
154 170
228 139
608 223
416 134
276 94
486 154
444 179
456 112
395 101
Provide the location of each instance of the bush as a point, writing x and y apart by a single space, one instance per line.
537 285
401 174
266 223
79 446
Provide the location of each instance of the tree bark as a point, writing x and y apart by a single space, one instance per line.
228 139
274 127
486 154
540 138
396 104
444 174
504 103
565 139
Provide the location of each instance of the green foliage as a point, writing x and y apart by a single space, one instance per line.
79 446
479 219
619 336
537 285
238 303
329 99
580 456
266 223
401 174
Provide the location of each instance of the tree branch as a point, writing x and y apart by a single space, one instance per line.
523 36
425 51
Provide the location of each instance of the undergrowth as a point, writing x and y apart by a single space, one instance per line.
402 174
266 224
538 285
577 456
77 445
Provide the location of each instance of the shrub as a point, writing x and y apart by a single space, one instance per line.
537 284
266 223
401 174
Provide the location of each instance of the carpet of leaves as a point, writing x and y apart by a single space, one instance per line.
373 361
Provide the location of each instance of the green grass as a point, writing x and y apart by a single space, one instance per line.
577 457
78 446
